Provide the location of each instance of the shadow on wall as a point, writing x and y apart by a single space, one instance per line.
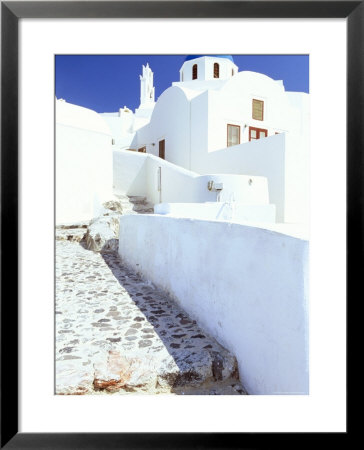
129 173
198 358
247 286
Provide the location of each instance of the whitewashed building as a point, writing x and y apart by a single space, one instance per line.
216 120
224 156
83 163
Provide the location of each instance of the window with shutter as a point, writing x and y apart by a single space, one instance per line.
257 133
233 135
258 109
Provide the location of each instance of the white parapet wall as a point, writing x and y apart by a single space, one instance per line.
161 181
129 172
232 211
262 157
246 286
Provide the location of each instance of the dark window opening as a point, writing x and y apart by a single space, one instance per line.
194 72
216 70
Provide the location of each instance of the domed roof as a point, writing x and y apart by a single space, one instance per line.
189 57
79 117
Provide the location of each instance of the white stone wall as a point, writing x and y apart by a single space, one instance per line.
232 104
176 184
161 181
246 286
122 127
129 173
283 159
263 157
83 163
233 212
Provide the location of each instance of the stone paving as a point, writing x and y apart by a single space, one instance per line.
118 334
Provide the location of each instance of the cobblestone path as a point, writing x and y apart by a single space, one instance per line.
116 333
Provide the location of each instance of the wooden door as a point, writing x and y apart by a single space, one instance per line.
162 149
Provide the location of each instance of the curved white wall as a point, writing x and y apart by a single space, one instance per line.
83 163
170 121
246 286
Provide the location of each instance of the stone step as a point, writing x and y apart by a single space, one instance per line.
131 198
70 234
146 211
137 199
135 203
142 207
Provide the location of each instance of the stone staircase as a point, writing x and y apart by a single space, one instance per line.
125 204
133 204
118 334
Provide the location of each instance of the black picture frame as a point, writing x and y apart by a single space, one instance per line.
11 12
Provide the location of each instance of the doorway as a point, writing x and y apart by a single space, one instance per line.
162 149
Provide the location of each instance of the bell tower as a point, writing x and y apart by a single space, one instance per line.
146 87
208 68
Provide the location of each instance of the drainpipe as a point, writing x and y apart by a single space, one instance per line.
160 183
190 136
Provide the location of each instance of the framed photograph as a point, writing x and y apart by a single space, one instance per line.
178 242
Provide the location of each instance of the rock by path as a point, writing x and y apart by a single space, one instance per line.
116 333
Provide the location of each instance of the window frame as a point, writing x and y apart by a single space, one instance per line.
261 101
227 134
258 130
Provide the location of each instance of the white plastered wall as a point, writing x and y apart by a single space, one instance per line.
129 173
161 181
170 121
83 163
246 286
232 104
263 157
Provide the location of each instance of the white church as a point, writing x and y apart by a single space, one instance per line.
223 155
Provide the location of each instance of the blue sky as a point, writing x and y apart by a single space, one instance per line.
106 83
